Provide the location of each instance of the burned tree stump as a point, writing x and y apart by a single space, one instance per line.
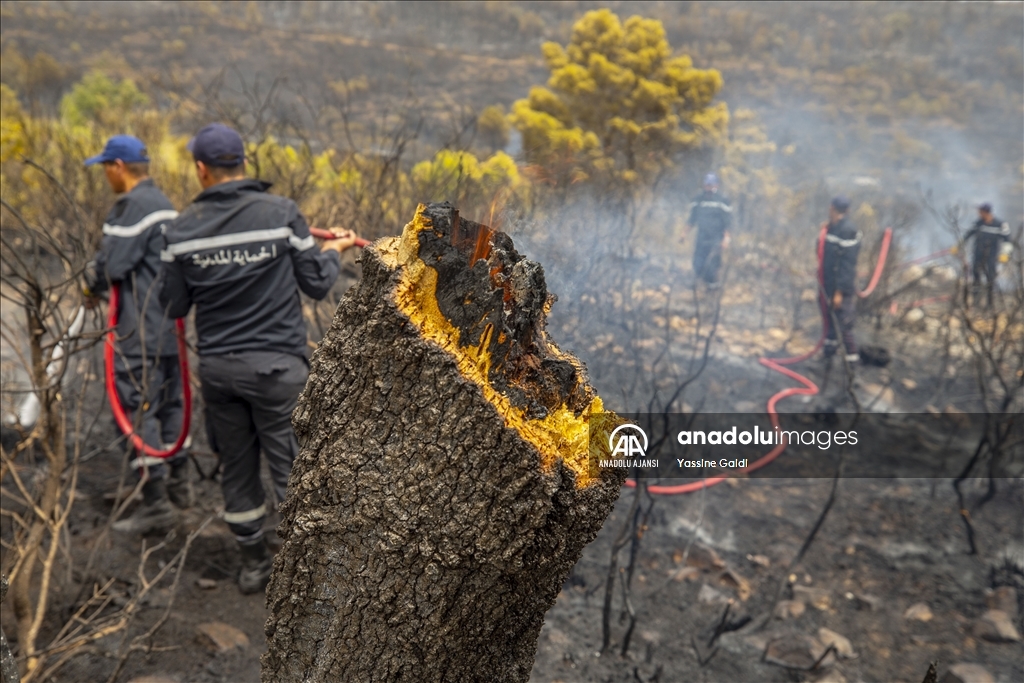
443 491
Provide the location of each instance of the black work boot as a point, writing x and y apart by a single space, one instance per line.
179 486
256 565
155 513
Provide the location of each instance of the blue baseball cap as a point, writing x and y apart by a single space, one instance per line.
985 206
841 203
710 180
217 145
127 148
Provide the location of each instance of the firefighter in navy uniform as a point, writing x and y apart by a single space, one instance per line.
839 274
242 256
146 359
711 213
990 234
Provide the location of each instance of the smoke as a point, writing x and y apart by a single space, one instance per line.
909 162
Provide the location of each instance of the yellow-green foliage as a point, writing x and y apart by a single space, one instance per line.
12 133
296 168
365 192
618 104
493 127
95 109
466 181
97 98
747 171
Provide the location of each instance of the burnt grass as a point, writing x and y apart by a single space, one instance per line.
883 546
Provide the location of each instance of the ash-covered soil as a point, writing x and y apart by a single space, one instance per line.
889 571
207 593
885 549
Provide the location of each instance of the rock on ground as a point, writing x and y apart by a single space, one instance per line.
221 636
996 626
968 673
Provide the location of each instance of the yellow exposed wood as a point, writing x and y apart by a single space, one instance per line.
561 435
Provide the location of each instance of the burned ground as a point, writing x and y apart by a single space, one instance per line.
887 104
885 546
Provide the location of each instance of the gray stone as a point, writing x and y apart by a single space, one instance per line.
995 626
842 644
919 611
968 673
221 636
796 651
789 609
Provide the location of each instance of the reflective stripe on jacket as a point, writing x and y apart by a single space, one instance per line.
242 256
129 256
839 267
712 214
988 236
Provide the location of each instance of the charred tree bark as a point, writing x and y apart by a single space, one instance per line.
443 491
8 667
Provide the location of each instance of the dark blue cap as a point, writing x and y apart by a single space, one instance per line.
985 206
217 145
710 180
841 203
127 148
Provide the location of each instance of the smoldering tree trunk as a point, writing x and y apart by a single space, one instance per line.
8 667
443 491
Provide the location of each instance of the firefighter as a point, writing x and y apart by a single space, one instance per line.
146 362
990 234
242 257
839 273
711 213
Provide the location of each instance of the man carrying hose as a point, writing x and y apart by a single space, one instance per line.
989 233
839 274
146 358
243 256
711 213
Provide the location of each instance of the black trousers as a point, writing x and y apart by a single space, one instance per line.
707 259
249 398
984 267
846 314
154 385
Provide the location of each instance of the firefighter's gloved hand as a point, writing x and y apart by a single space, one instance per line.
1005 249
955 249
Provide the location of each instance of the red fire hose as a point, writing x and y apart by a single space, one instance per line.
926 258
809 388
328 235
120 416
